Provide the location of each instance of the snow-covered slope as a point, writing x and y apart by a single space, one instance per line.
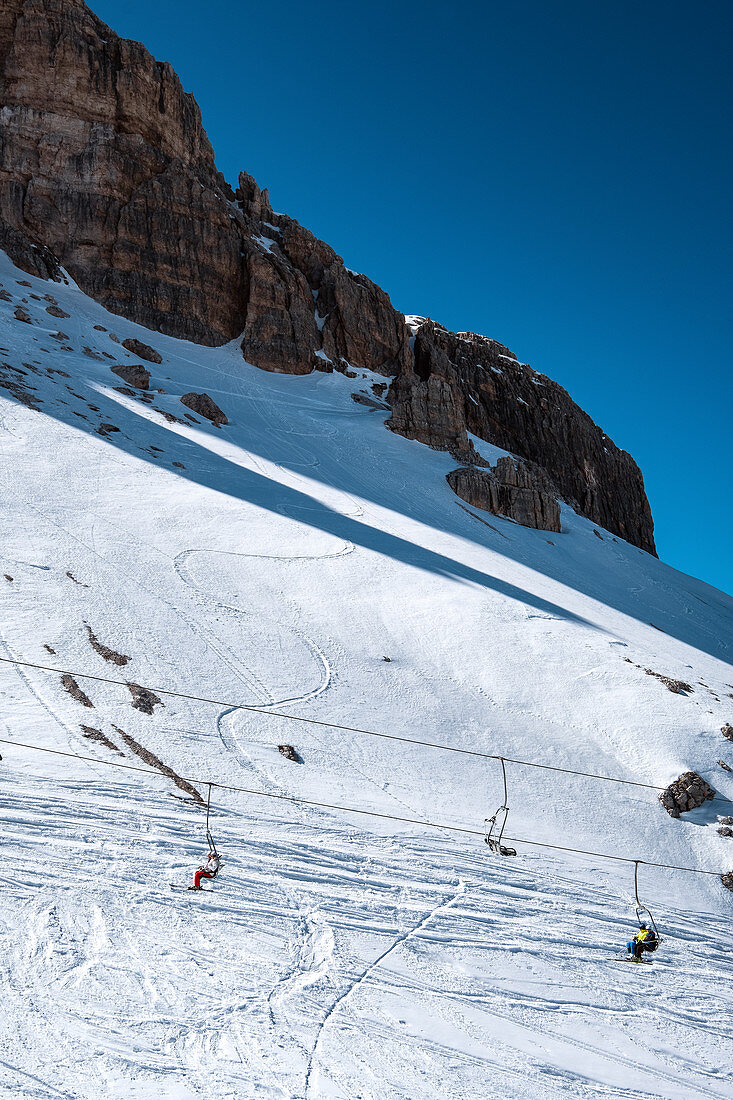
275 562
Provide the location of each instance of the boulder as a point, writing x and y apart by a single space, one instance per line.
144 351
202 404
727 880
511 489
686 793
289 753
727 731
135 374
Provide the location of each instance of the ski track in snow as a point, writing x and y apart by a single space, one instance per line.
356 982
335 957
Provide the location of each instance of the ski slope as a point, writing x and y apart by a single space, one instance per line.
337 955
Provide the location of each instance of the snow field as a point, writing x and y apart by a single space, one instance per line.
337 956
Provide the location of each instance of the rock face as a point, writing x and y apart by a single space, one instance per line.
510 489
106 170
461 382
686 793
104 162
205 406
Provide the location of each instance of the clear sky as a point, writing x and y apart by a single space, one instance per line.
556 175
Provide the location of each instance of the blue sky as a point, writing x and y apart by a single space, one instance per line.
554 175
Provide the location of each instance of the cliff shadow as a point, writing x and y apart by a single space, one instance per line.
367 476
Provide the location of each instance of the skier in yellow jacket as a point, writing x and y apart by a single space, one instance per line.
646 939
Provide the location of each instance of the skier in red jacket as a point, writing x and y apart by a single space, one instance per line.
208 870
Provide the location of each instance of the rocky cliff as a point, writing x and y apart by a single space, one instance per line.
105 169
461 382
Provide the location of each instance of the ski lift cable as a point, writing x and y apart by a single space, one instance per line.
349 729
365 813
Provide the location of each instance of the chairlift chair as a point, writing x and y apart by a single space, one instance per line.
643 913
497 824
209 838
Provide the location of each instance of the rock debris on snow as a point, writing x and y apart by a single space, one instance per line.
75 691
94 734
143 699
155 762
104 651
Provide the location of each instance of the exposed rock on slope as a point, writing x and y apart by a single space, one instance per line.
135 374
686 793
205 406
511 489
105 168
137 347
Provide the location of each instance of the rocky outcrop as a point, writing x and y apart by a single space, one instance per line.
27 254
205 406
510 489
306 310
462 382
686 793
280 332
105 169
727 731
143 351
135 374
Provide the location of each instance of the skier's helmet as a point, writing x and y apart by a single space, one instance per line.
642 925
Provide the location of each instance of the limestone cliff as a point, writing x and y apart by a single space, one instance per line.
105 169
